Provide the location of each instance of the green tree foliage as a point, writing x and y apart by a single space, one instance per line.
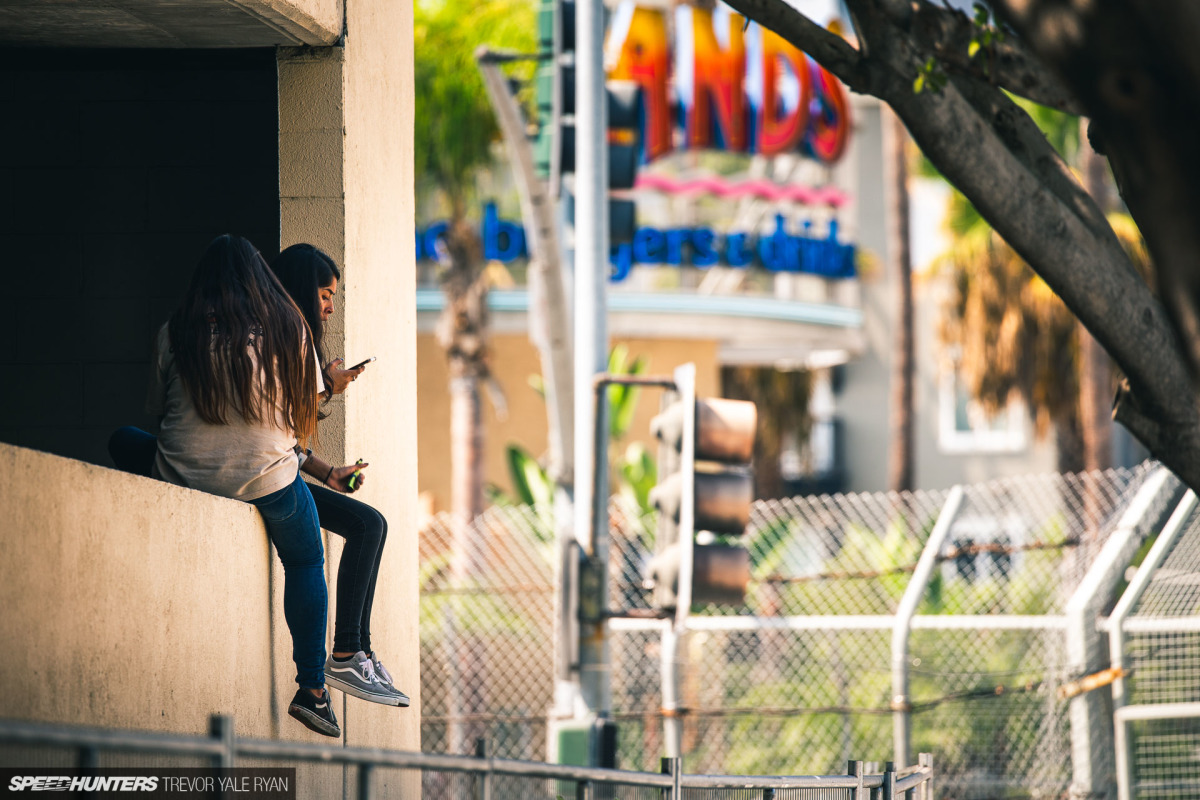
454 125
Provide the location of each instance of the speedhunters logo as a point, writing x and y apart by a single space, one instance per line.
91 783
241 782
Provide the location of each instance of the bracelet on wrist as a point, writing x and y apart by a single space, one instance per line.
330 475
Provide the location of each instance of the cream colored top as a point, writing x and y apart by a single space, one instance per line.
243 460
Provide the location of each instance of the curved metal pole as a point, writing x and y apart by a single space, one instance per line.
901 719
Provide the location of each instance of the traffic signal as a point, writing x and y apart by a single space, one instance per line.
624 150
705 491
554 147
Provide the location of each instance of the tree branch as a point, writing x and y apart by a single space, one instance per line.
1028 144
1137 73
991 151
1175 445
1003 167
829 50
948 33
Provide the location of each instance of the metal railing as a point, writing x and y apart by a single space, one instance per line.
223 748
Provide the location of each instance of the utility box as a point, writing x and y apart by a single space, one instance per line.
586 742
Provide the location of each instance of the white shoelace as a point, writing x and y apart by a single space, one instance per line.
368 671
381 672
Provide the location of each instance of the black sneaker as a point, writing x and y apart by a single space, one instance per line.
315 713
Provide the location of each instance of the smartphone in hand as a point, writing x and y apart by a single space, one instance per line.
362 363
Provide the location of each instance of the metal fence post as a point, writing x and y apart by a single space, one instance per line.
925 761
1091 737
220 727
483 788
672 723
855 769
889 781
365 771
901 703
671 766
89 758
1122 746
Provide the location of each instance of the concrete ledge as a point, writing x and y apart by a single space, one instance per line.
132 603
129 602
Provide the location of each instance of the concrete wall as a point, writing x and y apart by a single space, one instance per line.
116 170
513 361
346 184
131 603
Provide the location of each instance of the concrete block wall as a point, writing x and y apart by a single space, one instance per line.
116 169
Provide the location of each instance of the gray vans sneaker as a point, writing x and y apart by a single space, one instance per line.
356 676
385 678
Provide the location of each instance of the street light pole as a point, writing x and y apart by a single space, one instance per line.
591 350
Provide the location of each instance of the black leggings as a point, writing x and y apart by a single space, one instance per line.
365 532
363 528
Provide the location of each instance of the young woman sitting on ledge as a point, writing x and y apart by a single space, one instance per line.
237 382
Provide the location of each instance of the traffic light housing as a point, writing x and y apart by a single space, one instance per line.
705 490
554 146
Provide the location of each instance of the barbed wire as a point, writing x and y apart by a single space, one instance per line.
952 554
982 693
526 588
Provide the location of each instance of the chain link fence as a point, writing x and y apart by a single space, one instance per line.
1159 649
799 678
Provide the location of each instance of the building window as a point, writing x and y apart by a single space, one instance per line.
965 427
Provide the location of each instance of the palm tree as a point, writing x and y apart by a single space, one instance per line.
455 131
1015 336
782 398
901 450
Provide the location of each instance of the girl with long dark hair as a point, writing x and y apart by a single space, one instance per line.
311 279
237 382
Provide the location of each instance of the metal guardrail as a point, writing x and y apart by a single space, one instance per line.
223 747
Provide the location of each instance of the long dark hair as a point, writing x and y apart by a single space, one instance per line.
304 270
234 303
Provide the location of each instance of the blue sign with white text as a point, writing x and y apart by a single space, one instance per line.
779 251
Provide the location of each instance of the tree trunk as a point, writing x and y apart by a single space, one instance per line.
1069 441
462 331
466 470
900 450
1095 369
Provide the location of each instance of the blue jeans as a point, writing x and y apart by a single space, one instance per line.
291 519
133 450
